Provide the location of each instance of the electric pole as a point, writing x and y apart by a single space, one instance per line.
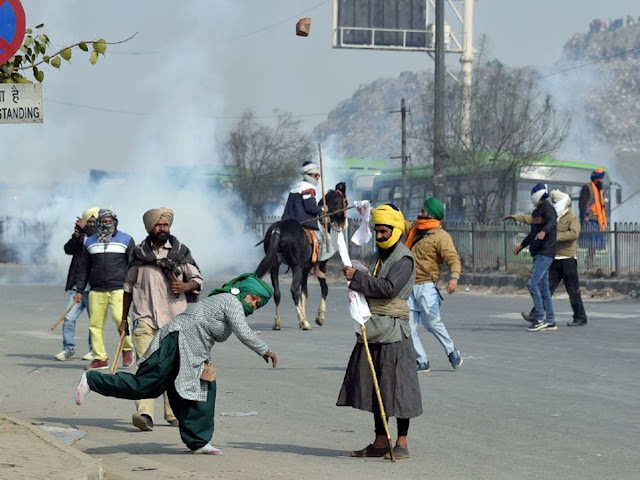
439 148
403 153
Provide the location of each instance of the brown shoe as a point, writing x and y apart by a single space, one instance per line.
97 365
127 358
143 421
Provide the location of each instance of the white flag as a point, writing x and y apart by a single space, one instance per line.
363 234
358 306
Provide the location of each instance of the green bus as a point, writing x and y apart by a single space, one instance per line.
557 174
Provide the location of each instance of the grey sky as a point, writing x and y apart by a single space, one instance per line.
195 65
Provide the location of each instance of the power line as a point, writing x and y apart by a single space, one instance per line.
284 20
576 67
215 117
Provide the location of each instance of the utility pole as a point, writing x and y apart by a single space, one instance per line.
439 148
403 153
466 61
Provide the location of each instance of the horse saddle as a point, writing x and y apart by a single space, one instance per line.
315 245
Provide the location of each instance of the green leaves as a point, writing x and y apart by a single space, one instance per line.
36 51
100 46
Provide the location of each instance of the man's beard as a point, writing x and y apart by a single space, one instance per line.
159 237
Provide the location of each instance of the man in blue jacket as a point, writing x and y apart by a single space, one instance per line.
541 241
104 265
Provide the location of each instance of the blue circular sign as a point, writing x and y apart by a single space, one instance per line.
12 28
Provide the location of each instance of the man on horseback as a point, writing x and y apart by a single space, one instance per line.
303 207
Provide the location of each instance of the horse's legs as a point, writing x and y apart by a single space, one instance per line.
304 294
296 294
322 308
276 296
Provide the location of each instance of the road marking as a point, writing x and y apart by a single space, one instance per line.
590 314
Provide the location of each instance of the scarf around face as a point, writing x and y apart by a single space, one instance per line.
179 255
246 284
422 224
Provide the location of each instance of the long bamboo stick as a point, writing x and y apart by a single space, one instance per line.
327 241
377 387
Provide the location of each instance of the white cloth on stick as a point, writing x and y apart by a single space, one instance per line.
363 234
358 306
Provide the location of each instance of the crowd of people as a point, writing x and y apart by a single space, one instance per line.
157 284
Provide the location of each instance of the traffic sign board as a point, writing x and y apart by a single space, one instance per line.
20 103
12 28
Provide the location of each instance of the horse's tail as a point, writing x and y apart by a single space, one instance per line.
271 257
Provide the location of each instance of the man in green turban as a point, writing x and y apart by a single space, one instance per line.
178 353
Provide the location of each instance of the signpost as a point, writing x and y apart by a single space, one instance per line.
20 103
13 25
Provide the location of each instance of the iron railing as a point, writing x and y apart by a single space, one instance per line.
488 247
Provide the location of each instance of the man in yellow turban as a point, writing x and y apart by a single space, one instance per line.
386 286
161 280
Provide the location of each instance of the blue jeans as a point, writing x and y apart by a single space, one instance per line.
538 286
69 325
424 307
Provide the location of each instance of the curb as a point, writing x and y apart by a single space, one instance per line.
92 468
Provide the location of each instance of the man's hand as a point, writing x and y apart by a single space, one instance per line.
508 217
541 234
272 356
77 297
124 327
348 272
518 249
179 287
452 285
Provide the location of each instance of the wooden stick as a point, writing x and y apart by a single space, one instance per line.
114 364
328 214
377 387
327 243
64 315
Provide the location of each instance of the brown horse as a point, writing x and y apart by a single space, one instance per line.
286 242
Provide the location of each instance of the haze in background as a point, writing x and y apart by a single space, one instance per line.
170 95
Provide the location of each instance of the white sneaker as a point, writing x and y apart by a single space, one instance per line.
82 390
88 357
209 449
64 355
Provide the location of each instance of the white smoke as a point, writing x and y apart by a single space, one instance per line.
172 91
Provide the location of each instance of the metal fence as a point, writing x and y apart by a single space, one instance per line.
488 247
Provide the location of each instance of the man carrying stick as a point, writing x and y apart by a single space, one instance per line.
161 279
387 286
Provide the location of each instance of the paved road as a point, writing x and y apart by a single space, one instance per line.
523 406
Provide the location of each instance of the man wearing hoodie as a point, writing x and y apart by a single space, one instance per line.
541 241
565 263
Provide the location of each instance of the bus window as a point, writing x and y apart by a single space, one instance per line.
384 194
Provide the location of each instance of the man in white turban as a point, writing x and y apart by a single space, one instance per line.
162 278
303 207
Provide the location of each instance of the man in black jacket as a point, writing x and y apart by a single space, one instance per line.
104 264
541 241
84 227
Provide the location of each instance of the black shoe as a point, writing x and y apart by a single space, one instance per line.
576 323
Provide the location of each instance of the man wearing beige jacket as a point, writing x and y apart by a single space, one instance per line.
565 264
431 246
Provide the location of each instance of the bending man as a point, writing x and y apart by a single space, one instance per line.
178 354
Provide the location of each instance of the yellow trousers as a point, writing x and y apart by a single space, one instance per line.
142 336
99 303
